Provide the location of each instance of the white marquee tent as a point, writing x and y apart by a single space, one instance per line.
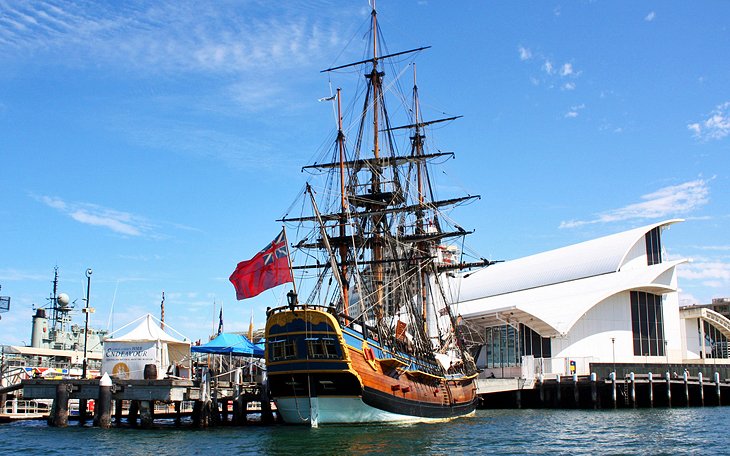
126 356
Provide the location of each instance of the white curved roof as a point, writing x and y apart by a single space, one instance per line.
587 259
551 291
552 310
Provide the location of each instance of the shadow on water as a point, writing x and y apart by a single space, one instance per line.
656 431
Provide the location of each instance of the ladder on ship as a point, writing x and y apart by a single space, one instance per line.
445 394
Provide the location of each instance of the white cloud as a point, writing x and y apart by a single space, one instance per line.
574 110
548 67
569 86
168 36
566 69
667 201
525 54
95 215
650 17
708 272
716 126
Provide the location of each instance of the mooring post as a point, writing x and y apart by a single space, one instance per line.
541 381
267 417
103 408
668 379
178 413
594 390
632 380
717 388
651 390
576 393
133 413
59 415
146 414
82 411
203 405
238 375
197 413
613 389
118 406
557 389
686 388
702 389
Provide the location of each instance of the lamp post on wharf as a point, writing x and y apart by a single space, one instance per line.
613 349
87 310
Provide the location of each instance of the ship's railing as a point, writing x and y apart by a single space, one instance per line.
300 306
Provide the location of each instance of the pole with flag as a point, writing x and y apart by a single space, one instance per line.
267 269
220 322
250 327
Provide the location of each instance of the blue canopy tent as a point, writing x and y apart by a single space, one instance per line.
230 344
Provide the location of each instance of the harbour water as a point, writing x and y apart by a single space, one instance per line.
656 431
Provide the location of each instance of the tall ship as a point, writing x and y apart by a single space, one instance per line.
367 334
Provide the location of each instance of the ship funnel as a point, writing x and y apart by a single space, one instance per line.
40 329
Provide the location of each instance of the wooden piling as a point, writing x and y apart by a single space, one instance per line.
59 414
133 413
702 389
613 389
632 380
717 388
557 389
668 379
541 381
103 407
197 414
82 411
651 390
118 406
576 392
686 389
267 416
146 413
594 390
178 413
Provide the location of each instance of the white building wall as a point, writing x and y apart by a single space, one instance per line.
673 332
693 338
590 338
604 335
636 258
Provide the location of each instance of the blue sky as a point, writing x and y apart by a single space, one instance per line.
158 142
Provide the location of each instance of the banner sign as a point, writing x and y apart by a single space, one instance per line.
126 360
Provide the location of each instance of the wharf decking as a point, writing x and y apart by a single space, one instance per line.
213 402
589 391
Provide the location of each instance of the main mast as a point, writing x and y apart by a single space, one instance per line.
375 81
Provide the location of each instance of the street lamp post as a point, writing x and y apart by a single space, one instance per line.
86 310
613 349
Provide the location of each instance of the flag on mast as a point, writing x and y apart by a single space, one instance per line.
250 327
220 322
267 269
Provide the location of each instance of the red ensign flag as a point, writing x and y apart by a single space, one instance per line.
269 268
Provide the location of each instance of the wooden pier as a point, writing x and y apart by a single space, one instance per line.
214 402
628 391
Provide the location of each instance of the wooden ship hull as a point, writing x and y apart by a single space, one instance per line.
321 371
